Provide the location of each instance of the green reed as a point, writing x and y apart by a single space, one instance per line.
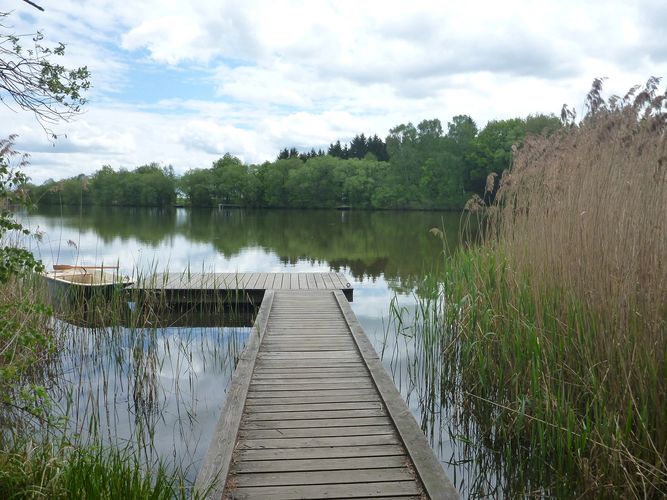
546 344
58 426
551 400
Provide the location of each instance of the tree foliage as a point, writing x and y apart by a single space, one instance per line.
427 166
32 80
13 258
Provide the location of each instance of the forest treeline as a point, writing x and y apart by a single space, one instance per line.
422 167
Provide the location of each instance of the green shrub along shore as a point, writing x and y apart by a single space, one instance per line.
548 341
422 167
40 457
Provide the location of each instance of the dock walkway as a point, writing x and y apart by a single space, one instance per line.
311 413
194 287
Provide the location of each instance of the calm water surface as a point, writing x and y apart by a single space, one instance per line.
164 386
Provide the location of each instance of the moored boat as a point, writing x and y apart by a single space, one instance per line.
84 281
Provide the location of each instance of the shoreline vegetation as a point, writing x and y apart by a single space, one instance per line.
547 343
544 345
422 167
56 437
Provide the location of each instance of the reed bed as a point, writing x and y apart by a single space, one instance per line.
547 345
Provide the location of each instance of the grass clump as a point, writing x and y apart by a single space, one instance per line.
552 333
55 471
38 457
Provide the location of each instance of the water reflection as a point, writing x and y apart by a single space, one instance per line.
156 390
394 246
173 378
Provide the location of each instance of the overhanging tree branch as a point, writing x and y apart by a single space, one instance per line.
34 5
31 80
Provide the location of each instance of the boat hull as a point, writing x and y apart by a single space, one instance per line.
71 287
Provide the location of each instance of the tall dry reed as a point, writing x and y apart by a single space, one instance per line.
581 219
551 336
586 210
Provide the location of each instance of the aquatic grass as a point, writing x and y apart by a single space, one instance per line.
116 371
545 346
531 396
48 470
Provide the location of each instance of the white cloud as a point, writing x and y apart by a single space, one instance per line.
306 73
170 39
215 139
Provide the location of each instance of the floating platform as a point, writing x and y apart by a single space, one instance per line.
186 287
311 412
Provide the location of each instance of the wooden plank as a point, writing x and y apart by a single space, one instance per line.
368 430
317 442
305 366
310 373
268 281
354 368
316 342
311 343
319 282
362 490
385 450
327 477
245 280
371 391
283 341
329 282
306 337
320 464
340 355
219 455
310 280
348 382
289 400
341 405
259 279
320 422
304 333
251 281
307 363
311 348
313 415
311 386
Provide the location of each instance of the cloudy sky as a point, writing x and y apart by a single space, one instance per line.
182 83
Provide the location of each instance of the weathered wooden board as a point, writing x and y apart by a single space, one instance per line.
356 490
189 285
314 422
325 477
321 464
317 432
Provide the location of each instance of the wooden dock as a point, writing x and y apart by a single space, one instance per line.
246 287
311 413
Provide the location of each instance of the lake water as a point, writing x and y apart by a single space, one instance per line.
164 387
